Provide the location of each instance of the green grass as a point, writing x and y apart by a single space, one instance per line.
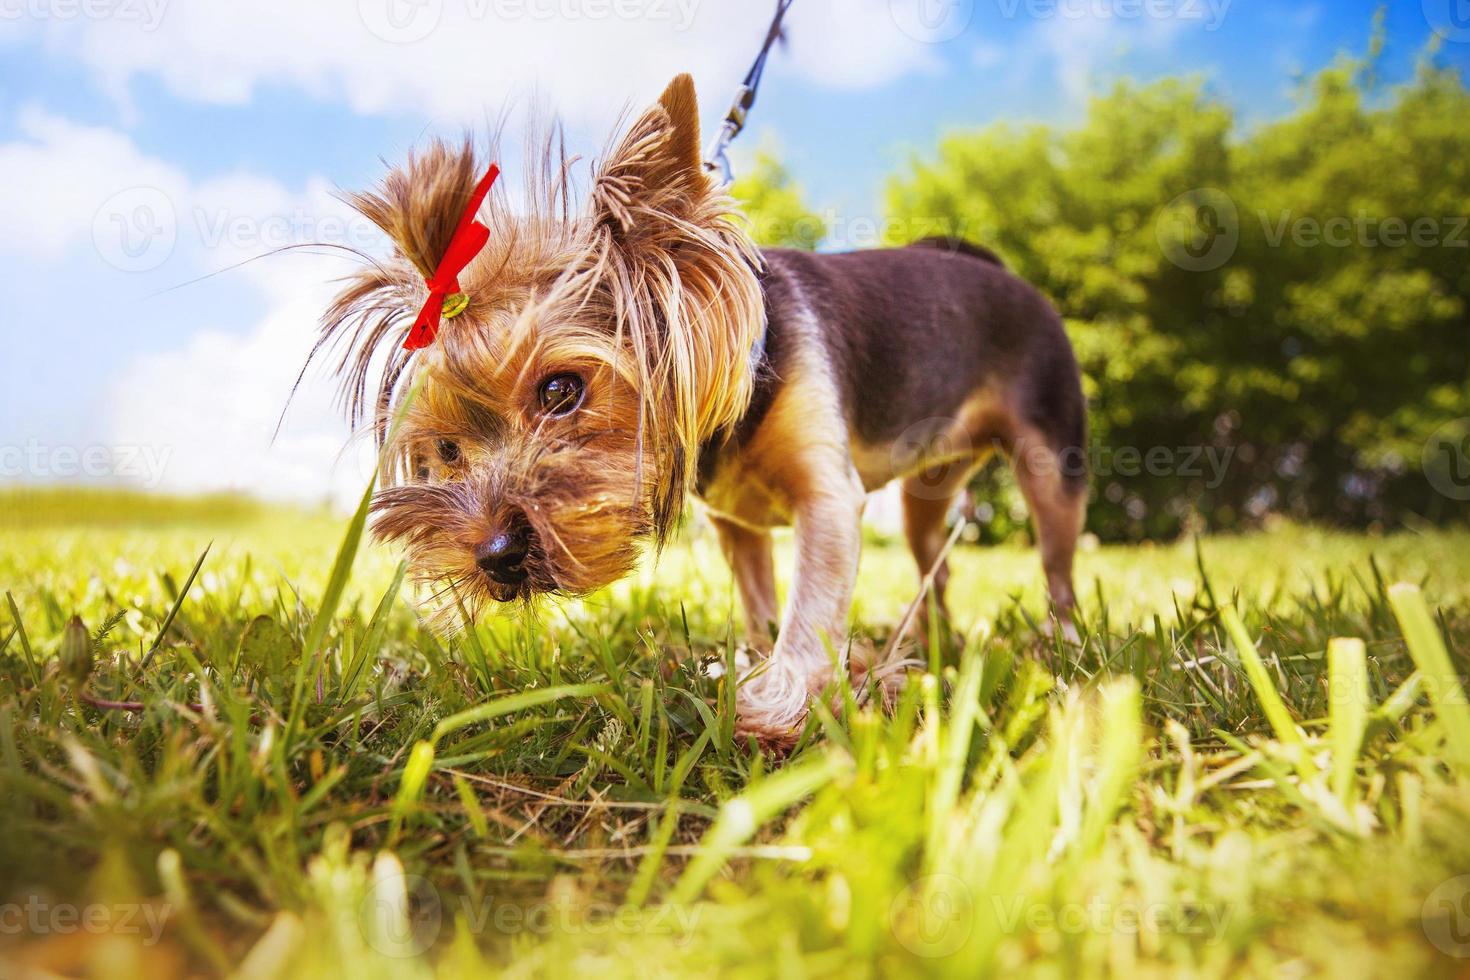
285 769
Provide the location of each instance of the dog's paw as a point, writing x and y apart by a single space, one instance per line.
773 740
772 701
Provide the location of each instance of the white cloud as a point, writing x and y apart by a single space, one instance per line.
64 185
211 407
1078 42
55 176
452 61
208 408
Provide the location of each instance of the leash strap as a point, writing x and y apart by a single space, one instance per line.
716 161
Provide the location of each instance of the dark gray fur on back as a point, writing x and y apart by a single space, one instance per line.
913 332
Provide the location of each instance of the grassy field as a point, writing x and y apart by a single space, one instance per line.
273 766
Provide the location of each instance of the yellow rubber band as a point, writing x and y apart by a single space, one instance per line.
454 305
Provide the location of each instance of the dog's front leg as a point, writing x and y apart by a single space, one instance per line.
749 553
828 522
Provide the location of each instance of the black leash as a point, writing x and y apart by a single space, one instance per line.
717 161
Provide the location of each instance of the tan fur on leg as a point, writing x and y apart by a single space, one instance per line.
749 553
927 500
774 697
1058 513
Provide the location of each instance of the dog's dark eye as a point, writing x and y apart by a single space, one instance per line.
448 451
561 394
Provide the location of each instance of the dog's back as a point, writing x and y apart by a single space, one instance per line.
936 330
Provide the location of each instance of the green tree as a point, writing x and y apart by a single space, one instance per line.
773 204
1294 297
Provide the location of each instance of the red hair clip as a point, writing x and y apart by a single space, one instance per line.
445 298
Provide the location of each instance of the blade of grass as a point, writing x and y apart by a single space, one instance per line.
743 816
648 868
512 703
1441 685
955 752
1271 704
25 642
168 620
411 786
1347 666
373 641
472 809
327 609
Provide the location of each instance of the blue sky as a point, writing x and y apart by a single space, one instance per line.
146 143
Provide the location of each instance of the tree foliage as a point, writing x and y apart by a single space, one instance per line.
1289 302
773 203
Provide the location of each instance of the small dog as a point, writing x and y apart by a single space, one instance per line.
606 362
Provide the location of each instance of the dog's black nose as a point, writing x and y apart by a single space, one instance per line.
502 555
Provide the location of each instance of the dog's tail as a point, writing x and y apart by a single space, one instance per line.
949 243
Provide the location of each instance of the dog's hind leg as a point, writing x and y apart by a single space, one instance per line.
927 499
1056 494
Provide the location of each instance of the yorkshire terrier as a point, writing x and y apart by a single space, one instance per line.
596 365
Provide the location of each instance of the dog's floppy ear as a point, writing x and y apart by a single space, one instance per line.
654 173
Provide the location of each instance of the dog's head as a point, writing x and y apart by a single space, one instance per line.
555 422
